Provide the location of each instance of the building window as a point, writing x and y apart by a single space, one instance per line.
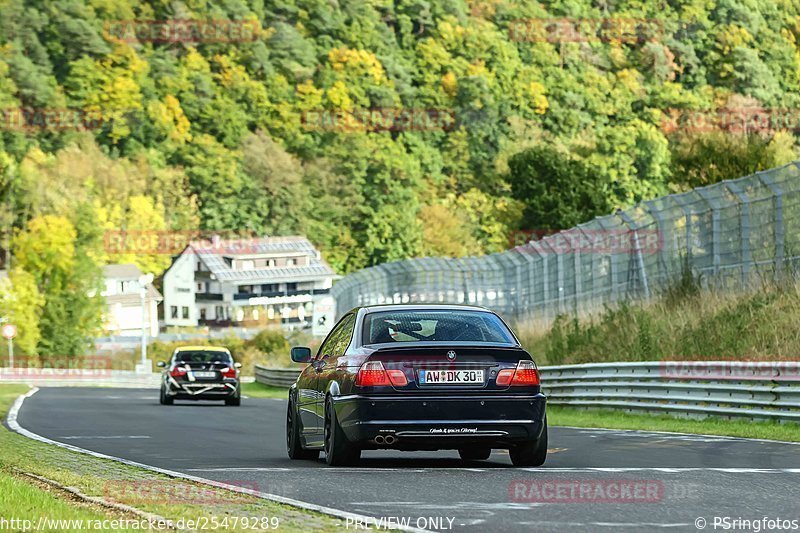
291 262
245 289
291 286
173 311
185 312
203 314
201 287
219 312
271 262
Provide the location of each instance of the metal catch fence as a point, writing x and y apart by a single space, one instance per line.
729 235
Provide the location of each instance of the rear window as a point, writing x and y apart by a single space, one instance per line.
202 356
435 326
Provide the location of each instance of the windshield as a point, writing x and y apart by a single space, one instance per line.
203 356
435 326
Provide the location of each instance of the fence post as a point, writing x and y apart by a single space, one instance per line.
712 202
577 285
637 250
560 277
662 230
779 231
744 227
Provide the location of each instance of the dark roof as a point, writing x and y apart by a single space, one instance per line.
216 256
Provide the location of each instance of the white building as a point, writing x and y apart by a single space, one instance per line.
245 282
125 314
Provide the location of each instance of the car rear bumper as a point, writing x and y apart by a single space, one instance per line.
441 422
202 390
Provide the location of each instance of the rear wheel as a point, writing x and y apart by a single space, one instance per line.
293 446
474 454
338 450
532 453
234 400
164 399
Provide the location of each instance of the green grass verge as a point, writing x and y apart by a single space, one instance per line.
113 480
605 418
683 324
259 390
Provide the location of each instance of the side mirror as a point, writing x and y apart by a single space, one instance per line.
301 354
161 364
237 365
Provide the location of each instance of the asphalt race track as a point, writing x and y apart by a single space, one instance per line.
671 480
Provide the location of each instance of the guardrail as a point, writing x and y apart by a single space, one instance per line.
731 389
276 377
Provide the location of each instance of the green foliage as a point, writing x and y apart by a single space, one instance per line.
57 255
270 341
21 303
557 190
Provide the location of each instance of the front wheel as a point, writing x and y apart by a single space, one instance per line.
532 453
338 450
293 446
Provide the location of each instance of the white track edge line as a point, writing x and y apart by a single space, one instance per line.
727 437
13 424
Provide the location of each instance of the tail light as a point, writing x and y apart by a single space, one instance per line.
229 372
372 374
524 374
177 372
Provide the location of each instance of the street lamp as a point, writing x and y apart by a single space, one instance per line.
144 281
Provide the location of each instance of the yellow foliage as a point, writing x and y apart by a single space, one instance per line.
339 97
449 84
168 116
729 36
358 61
537 93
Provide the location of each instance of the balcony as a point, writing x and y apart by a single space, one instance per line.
208 297
276 294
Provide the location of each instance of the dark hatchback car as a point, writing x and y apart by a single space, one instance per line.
417 377
200 373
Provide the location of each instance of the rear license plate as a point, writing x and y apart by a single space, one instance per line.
205 374
435 377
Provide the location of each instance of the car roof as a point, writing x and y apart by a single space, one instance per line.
201 349
426 306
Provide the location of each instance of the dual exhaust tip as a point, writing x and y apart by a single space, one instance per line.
388 440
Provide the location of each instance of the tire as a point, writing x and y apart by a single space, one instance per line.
532 453
235 401
294 449
163 399
338 450
474 454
